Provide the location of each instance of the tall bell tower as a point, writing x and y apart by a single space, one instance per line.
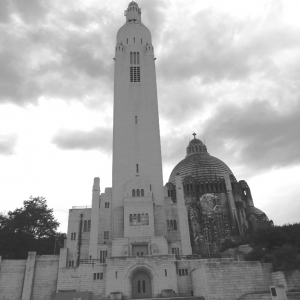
138 193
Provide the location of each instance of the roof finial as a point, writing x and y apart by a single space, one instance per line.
194 134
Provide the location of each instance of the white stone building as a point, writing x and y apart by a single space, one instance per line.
135 240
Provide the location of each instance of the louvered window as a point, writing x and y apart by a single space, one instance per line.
135 72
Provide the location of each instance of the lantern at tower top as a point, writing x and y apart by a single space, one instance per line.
133 13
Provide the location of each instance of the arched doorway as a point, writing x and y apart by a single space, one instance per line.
141 285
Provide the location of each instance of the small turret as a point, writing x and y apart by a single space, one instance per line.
133 13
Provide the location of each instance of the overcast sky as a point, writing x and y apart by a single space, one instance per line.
227 70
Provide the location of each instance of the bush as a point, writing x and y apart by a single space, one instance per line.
257 254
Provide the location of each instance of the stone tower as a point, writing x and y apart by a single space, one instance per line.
137 190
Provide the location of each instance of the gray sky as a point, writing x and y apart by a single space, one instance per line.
228 70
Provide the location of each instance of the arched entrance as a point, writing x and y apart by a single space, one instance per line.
141 285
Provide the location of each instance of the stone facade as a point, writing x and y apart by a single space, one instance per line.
135 240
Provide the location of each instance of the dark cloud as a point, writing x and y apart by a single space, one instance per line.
256 136
61 57
252 138
7 144
96 139
219 47
31 11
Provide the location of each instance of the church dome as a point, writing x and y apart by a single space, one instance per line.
199 165
254 210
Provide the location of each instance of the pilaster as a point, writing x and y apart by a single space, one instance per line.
95 218
182 218
29 276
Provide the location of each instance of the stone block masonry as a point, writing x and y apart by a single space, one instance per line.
31 279
290 279
11 279
230 280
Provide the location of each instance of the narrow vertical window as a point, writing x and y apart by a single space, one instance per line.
130 220
134 58
134 39
166 273
139 219
116 274
89 225
144 286
138 193
143 219
134 220
131 58
175 225
171 224
142 192
146 219
138 58
85 226
127 40
98 275
141 41
95 274
135 119
137 168
133 193
168 226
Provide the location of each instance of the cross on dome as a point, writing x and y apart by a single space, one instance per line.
194 134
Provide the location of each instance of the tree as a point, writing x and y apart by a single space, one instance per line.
30 228
278 245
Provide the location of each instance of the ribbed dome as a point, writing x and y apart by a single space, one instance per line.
254 210
199 165
195 142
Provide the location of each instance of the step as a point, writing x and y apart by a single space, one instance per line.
265 296
173 298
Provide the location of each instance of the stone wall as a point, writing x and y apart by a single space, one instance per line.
31 279
290 279
45 278
11 279
82 279
230 280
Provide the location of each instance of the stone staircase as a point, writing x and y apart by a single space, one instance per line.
267 296
256 297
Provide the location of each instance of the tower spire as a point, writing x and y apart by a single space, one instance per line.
133 13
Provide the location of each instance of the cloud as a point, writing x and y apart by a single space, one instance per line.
7 144
215 46
154 15
96 139
256 136
58 57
